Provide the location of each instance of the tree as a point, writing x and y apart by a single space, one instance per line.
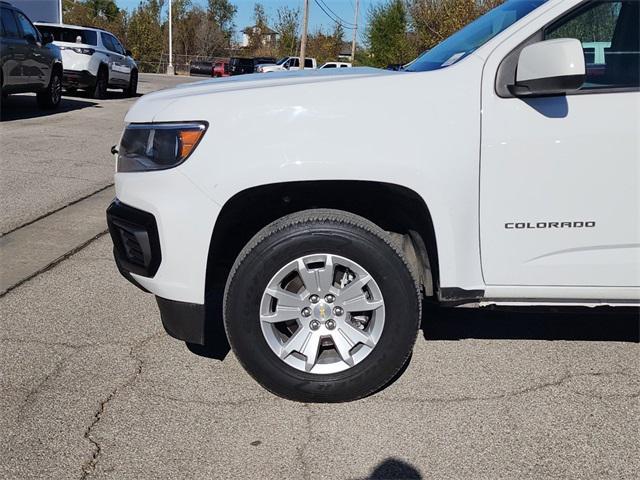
388 35
221 13
435 20
145 38
287 23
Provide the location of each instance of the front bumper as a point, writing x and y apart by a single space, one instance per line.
78 79
136 249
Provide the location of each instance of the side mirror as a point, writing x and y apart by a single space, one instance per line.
551 67
30 39
47 38
129 54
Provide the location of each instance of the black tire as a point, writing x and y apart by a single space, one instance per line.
102 81
307 233
50 97
132 89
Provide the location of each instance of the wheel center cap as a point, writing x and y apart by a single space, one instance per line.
322 311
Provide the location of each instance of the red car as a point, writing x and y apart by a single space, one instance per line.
220 69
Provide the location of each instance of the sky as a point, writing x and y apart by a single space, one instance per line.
317 18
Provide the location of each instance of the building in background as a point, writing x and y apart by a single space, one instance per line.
49 11
263 36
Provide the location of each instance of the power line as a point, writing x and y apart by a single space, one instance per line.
332 18
338 17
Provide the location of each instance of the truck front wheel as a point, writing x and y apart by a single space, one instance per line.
321 306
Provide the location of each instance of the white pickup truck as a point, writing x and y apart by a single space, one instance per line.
287 63
497 168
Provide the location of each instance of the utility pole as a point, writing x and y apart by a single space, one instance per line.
355 31
303 40
60 10
170 70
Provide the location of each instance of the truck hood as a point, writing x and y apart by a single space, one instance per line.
147 107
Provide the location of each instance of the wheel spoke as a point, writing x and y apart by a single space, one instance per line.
283 313
325 275
355 335
361 304
296 343
286 299
343 345
310 350
354 289
317 280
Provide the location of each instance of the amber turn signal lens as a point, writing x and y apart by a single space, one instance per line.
188 140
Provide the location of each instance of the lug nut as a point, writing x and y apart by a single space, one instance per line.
330 324
338 311
329 298
306 312
314 325
314 298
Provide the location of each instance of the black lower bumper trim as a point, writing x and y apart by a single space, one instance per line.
182 320
78 79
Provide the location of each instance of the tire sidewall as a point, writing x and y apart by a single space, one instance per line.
398 289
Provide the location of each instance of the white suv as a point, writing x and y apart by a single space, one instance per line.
502 167
93 59
287 63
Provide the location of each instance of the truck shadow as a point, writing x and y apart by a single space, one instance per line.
599 324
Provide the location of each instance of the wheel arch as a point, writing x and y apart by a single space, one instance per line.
395 208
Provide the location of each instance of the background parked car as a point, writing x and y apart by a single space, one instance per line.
29 62
220 69
94 59
240 66
336 65
201 67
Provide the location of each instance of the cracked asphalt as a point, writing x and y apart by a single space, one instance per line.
92 387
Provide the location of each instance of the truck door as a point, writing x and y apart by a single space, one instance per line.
560 175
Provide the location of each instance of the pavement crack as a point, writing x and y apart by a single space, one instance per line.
134 352
302 449
77 200
523 391
70 253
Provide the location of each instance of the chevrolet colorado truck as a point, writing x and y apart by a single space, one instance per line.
500 167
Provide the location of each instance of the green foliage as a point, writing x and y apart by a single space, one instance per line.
144 34
388 36
221 13
287 25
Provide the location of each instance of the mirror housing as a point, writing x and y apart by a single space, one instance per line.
47 38
128 53
30 39
550 67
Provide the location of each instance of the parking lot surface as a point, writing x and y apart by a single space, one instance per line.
92 387
49 159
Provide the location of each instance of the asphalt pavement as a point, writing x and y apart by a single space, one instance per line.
92 387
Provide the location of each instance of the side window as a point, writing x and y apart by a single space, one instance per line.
9 24
106 41
344 66
117 45
25 25
308 63
330 65
609 32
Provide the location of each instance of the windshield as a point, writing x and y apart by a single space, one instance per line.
282 60
473 36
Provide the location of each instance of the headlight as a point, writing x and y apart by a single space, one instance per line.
158 146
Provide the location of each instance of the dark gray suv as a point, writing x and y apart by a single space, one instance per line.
29 62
